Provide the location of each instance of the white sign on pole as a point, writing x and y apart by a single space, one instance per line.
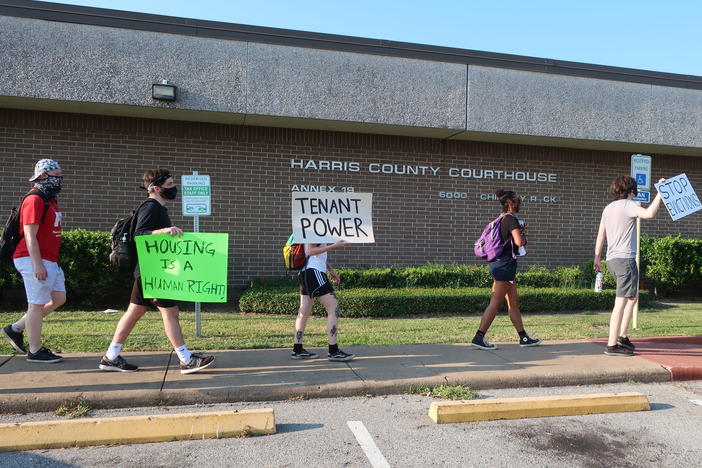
321 218
196 195
641 171
679 197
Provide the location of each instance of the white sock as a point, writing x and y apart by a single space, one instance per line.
16 328
113 351
183 354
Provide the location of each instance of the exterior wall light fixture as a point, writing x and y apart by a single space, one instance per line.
164 91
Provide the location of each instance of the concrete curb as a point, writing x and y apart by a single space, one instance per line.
134 429
25 403
536 407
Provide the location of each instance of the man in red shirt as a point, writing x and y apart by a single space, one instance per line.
36 258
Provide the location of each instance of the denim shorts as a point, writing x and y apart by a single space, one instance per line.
504 268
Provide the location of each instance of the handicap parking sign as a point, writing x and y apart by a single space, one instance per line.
641 170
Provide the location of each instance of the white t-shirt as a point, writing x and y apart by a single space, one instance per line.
619 219
318 262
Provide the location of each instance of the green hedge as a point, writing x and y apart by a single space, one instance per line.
90 279
376 302
672 263
452 276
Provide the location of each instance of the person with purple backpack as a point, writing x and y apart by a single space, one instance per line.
499 246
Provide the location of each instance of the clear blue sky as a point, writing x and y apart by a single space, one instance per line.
655 35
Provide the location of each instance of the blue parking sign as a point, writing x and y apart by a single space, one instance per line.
641 179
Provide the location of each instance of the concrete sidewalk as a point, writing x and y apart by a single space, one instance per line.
256 375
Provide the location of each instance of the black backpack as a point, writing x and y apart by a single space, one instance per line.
11 235
123 249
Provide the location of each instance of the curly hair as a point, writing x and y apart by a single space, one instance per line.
622 186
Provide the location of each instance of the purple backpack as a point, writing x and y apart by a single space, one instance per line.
489 247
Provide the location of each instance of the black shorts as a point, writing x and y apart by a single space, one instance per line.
504 268
138 297
314 283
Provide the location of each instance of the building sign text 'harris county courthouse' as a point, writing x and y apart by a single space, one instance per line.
423 171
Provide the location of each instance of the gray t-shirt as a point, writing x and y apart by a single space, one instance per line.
619 219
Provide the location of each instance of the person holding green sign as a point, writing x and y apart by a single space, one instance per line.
314 284
152 218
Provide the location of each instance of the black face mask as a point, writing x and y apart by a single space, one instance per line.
169 193
51 185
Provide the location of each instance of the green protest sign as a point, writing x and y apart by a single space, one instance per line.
190 268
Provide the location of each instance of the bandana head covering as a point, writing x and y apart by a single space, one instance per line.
44 165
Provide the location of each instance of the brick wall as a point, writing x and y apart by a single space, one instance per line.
103 159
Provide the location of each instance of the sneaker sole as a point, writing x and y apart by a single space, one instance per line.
627 348
484 347
530 344
115 369
51 361
190 371
302 358
12 342
341 359
619 354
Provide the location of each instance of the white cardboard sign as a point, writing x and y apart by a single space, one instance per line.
679 197
322 218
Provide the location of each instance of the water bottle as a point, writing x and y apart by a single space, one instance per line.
522 250
598 281
123 246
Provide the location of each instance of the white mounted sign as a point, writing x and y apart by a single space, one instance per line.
196 195
320 218
641 171
679 197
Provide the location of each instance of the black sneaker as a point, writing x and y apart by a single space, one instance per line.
624 342
617 350
340 356
117 364
483 344
197 363
302 354
43 355
16 339
527 341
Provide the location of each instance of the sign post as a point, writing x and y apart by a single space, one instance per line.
197 201
641 172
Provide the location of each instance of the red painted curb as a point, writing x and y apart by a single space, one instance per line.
680 355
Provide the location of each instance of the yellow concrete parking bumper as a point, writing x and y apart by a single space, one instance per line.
135 429
536 407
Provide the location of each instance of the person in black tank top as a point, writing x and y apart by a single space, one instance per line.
504 271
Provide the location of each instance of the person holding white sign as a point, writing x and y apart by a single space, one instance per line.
618 227
314 284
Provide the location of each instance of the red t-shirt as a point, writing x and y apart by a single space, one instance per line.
49 234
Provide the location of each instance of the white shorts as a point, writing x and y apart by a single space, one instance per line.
39 292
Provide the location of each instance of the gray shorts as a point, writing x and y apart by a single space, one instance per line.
627 275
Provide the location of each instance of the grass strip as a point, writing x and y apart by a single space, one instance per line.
73 331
